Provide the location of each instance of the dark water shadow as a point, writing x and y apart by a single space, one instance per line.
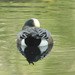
33 54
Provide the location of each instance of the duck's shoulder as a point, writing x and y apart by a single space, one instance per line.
44 31
40 31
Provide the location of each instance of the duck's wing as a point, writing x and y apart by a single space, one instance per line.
23 34
45 34
36 33
40 32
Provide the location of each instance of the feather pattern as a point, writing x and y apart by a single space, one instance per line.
33 42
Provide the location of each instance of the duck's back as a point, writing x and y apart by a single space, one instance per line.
38 33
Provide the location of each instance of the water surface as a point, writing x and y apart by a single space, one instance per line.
58 17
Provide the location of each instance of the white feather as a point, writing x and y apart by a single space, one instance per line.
23 45
36 23
43 43
43 48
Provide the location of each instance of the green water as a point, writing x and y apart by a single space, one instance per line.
58 17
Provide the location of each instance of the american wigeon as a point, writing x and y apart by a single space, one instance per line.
35 40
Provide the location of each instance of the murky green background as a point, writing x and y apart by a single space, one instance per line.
57 16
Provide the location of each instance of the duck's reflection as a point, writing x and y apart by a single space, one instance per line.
34 54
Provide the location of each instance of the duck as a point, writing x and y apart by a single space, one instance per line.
34 42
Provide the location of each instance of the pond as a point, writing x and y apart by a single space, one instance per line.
58 17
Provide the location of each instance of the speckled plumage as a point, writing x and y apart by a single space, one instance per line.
31 37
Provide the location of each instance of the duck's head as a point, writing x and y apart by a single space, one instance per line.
32 23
